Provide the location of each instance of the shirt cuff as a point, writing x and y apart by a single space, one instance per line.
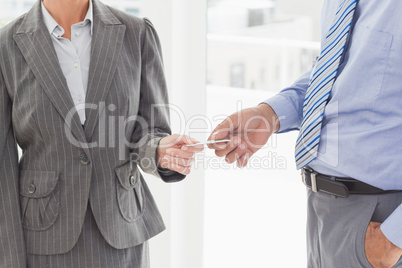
391 227
287 114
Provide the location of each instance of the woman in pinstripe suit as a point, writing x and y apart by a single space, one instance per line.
83 93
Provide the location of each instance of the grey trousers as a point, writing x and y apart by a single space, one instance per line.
92 251
336 227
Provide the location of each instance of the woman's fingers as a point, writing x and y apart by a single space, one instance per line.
176 140
185 162
183 140
187 140
181 165
179 153
178 160
175 154
193 149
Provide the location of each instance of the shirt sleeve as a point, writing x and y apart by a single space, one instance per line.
288 104
391 227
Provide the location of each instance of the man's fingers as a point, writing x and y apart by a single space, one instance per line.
243 160
224 130
232 145
226 126
235 155
219 135
219 145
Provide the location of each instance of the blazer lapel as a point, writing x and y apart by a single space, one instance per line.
34 41
107 40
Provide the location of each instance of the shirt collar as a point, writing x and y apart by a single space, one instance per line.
52 25
90 15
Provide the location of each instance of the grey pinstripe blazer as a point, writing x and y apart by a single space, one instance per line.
43 198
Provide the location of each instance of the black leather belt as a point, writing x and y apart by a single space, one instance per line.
336 186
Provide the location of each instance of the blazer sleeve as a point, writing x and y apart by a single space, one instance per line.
153 116
12 249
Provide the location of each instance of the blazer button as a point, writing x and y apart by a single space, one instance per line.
84 159
132 180
31 189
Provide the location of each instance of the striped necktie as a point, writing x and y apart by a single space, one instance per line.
321 82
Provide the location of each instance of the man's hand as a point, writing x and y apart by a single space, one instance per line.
248 129
380 252
173 154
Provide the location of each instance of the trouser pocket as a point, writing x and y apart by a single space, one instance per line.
340 229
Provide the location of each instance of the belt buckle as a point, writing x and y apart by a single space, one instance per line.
313 177
303 175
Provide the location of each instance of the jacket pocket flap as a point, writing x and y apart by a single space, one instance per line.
37 184
128 176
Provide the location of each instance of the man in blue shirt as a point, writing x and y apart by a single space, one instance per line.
354 198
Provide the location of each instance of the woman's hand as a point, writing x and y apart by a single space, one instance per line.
173 154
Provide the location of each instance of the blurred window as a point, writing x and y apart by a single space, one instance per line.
256 216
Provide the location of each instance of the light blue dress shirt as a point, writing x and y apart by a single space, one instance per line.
74 56
361 133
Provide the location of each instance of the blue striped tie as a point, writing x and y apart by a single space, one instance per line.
321 82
